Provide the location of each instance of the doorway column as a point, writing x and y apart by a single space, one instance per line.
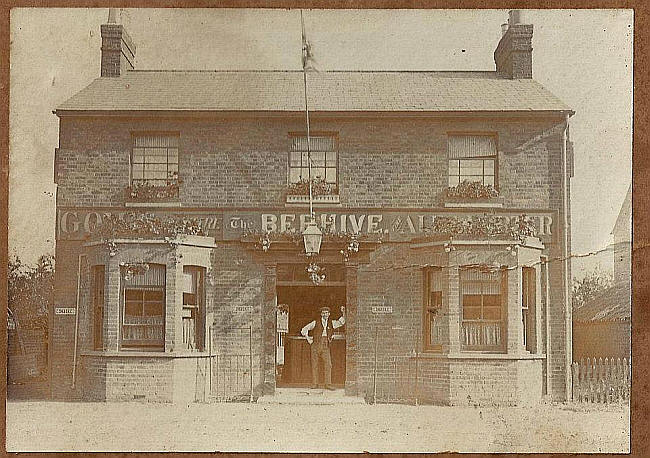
269 307
351 328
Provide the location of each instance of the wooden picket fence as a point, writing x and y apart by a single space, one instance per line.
601 380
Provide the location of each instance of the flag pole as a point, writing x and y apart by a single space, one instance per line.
304 78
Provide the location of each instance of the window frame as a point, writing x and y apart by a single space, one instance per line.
142 345
427 304
528 306
98 305
494 157
502 321
199 308
159 182
335 140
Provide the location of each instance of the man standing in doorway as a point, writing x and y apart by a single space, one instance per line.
323 331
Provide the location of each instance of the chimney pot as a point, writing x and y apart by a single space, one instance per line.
514 54
118 51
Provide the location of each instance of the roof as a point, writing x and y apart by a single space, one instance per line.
622 230
328 91
612 304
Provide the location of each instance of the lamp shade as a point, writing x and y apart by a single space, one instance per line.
312 237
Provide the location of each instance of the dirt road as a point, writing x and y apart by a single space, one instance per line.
54 426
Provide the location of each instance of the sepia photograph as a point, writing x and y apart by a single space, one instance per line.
313 230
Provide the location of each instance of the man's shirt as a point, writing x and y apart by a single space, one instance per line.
335 324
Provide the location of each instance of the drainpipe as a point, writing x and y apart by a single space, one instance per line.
76 324
568 315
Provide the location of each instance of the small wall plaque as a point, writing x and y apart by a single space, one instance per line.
65 310
382 309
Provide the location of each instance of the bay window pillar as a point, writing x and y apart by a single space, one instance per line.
537 344
269 307
452 304
112 304
351 328
515 327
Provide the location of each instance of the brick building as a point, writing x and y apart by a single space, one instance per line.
180 207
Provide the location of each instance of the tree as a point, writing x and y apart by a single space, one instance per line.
590 286
31 291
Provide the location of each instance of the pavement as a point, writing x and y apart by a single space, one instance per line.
300 427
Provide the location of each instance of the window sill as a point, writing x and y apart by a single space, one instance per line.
169 203
145 354
464 202
321 199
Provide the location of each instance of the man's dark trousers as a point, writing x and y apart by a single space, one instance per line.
320 350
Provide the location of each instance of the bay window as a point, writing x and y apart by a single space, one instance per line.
482 309
143 313
433 308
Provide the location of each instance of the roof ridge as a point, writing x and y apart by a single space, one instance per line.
300 71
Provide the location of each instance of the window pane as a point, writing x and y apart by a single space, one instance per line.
133 295
318 172
138 155
305 159
318 159
488 180
153 309
132 308
137 171
489 166
294 175
453 181
454 167
471 300
492 313
331 158
294 159
155 295
172 154
471 313
330 175
471 167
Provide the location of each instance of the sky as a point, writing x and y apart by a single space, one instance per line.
582 56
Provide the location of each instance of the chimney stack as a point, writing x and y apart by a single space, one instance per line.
514 54
118 51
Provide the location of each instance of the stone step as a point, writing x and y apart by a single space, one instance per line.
306 396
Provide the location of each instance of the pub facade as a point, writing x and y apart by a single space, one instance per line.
442 199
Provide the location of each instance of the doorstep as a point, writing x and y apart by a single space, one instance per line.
306 396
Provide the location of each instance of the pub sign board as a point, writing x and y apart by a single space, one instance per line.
393 225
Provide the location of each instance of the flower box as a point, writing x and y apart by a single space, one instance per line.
320 199
145 193
471 202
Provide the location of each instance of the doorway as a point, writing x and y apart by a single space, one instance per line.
302 304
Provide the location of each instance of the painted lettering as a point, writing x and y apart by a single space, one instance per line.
69 222
285 222
373 223
357 225
91 221
269 222
328 223
303 222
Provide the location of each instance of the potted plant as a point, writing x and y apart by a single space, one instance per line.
144 191
472 194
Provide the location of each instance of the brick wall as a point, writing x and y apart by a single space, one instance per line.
384 162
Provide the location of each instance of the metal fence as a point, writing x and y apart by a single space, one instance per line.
601 380
230 376
395 375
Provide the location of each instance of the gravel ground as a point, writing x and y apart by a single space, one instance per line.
56 426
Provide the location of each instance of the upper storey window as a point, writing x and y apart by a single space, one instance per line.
154 160
324 163
472 158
